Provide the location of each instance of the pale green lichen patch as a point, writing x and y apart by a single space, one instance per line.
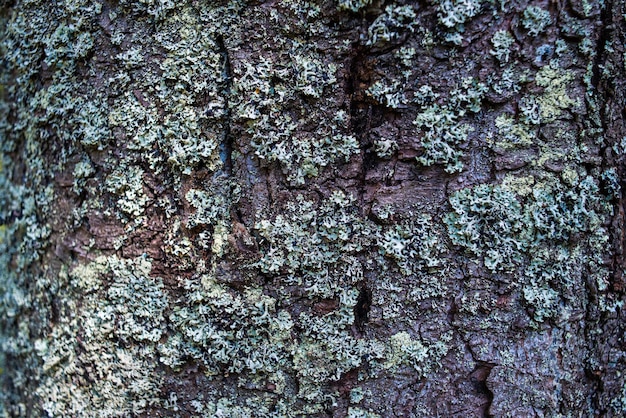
127 184
536 20
502 42
385 147
263 89
353 5
319 248
455 14
513 226
26 189
209 207
211 214
60 108
555 98
329 349
306 157
196 68
255 341
316 247
442 129
452 13
488 221
493 214
172 113
82 170
139 123
99 357
157 9
391 25
253 338
388 95
520 185
313 75
414 245
512 135
354 412
550 105
405 350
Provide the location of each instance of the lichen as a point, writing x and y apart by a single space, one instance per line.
316 247
390 25
555 98
385 147
454 14
241 146
510 228
534 110
260 93
353 5
408 351
536 20
361 413
488 221
127 184
391 96
442 128
99 357
502 42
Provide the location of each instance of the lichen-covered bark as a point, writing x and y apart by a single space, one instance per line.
346 208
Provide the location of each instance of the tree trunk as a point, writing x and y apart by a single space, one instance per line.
346 208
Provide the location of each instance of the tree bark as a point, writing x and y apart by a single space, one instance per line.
346 208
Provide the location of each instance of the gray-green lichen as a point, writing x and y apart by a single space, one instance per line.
442 127
390 25
353 5
99 358
193 219
536 20
502 42
531 231
260 103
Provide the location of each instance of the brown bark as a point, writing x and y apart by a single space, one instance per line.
330 208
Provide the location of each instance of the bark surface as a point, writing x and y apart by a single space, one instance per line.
330 208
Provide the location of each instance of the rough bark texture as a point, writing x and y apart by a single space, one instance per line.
327 208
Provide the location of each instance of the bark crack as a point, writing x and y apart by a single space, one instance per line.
226 145
362 308
610 111
360 115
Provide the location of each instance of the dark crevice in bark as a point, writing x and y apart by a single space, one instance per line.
609 91
226 146
6 5
620 239
600 57
612 114
362 308
360 112
479 375
596 377
479 379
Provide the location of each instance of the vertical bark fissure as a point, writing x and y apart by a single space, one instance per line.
609 90
226 145
362 308
358 114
